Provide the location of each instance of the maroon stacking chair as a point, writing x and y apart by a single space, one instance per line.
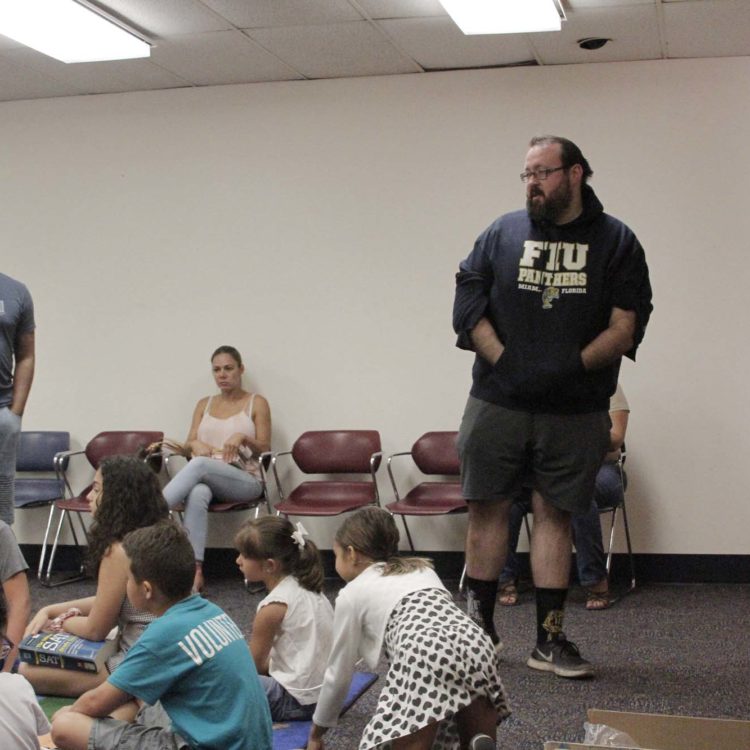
434 454
112 443
356 453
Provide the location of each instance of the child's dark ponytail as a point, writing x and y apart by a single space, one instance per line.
274 537
309 570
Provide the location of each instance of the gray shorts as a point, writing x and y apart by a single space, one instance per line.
150 731
557 454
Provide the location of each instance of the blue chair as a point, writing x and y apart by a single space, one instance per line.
39 478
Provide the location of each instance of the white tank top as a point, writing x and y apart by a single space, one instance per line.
215 432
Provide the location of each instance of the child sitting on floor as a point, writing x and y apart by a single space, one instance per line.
442 686
21 718
293 627
191 665
124 496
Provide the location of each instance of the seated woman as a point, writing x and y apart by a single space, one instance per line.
125 496
228 433
586 528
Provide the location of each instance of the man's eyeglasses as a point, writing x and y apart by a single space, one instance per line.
539 174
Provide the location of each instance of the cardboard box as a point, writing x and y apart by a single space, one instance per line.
665 732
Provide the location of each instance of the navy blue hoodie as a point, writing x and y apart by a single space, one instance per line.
549 290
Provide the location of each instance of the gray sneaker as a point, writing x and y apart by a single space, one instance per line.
562 657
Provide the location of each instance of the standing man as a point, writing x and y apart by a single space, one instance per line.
550 299
16 374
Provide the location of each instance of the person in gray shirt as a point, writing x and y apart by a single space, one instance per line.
16 373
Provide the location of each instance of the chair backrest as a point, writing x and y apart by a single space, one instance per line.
336 451
37 449
119 443
35 456
436 453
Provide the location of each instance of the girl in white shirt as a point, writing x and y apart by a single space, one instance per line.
293 628
442 686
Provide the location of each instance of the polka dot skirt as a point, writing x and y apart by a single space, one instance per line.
440 661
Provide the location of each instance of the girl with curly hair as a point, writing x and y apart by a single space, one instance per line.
124 496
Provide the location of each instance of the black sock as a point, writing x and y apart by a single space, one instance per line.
549 613
480 599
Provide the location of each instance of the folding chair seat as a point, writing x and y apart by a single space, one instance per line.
101 446
350 452
434 454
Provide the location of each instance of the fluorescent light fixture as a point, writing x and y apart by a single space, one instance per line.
505 16
68 31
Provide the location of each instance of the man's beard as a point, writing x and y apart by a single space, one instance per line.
552 207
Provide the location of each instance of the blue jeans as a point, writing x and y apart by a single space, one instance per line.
10 429
201 481
284 707
587 529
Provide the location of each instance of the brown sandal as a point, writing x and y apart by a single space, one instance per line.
508 594
598 600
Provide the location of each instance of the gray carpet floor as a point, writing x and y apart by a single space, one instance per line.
681 649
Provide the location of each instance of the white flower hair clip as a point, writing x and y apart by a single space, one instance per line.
299 535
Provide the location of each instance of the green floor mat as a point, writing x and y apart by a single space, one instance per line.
51 703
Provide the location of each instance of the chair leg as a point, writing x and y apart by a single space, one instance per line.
47 579
528 528
53 551
630 548
611 540
43 553
408 534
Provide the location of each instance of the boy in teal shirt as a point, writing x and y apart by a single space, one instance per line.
192 665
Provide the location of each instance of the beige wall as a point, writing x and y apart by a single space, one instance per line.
317 226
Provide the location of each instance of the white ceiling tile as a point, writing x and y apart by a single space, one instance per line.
167 17
218 58
330 51
578 4
402 8
437 43
633 30
258 13
710 28
20 82
99 77
197 41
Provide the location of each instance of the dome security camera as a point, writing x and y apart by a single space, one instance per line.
593 42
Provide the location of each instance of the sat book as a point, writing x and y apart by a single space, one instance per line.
65 651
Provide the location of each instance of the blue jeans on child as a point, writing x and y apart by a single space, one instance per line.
283 706
587 530
201 481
